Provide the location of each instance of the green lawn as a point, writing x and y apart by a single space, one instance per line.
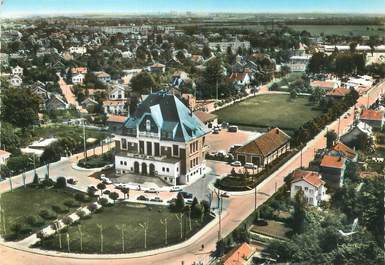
130 215
22 203
269 110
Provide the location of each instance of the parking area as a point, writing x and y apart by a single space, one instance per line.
224 139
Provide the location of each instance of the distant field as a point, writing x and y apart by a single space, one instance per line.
268 111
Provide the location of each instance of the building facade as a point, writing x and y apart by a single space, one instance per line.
162 138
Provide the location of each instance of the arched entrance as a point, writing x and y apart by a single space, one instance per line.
144 168
136 167
152 169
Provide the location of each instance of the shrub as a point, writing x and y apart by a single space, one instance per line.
61 183
67 220
47 214
103 201
81 197
92 207
31 220
71 203
59 209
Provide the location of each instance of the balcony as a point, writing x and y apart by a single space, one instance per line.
164 159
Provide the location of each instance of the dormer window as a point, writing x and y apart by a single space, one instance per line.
148 125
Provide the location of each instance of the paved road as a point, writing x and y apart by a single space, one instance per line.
238 209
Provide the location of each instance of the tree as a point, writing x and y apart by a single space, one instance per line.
142 83
101 186
61 183
299 212
331 138
20 107
91 191
206 52
213 76
36 180
293 94
125 191
114 196
51 154
179 203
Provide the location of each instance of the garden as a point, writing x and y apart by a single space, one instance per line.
127 227
26 210
270 111
97 161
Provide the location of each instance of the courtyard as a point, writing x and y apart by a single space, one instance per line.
272 110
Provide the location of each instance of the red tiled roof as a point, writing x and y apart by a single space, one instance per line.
116 118
79 70
339 92
205 116
311 177
372 115
238 255
332 161
266 144
157 65
318 83
3 152
347 151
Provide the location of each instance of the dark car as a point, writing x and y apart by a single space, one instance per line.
156 199
72 181
186 195
142 198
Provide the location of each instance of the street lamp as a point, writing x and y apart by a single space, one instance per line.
145 227
164 222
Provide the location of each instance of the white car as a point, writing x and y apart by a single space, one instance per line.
175 189
236 164
106 180
250 165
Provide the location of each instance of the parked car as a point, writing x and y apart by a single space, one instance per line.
176 189
217 127
72 181
108 167
106 180
188 201
106 192
187 195
250 165
225 195
215 131
236 164
142 198
232 128
156 199
151 190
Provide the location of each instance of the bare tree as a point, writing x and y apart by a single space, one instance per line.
101 237
121 228
180 219
164 222
145 227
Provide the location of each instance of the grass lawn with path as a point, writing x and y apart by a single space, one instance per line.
22 203
130 215
269 111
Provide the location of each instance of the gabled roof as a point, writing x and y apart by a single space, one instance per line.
333 161
372 115
4 153
266 144
238 255
238 76
175 121
311 177
338 92
117 118
318 83
345 150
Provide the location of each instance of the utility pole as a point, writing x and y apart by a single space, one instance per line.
101 237
81 237
84 140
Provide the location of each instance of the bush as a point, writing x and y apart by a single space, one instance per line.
59 209
61 183
48 214
71 203
103 201
92 207
81 197
67 220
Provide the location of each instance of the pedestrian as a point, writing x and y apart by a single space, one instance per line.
203 247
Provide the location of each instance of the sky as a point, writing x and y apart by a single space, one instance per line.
52 7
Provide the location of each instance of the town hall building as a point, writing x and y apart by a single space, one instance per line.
162 138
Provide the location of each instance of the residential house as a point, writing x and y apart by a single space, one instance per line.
198 59
162 138
55 102
79 70
324 85
102 77
89 103
207 118
373 118
265 149
340 149
15 80
350 138
241 255
311 184
179 78
37 147
4 156
157 68
298 63
333 169
78 79
173 63
118 92
115 123
338 93
17 70
116 107
240 80
78 49
129 74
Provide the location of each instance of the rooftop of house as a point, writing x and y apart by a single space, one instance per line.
333 161
372 115
175 121
339 92
237 76
157 65
117 118
266 144
4 153
239 255
345 150
311 177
